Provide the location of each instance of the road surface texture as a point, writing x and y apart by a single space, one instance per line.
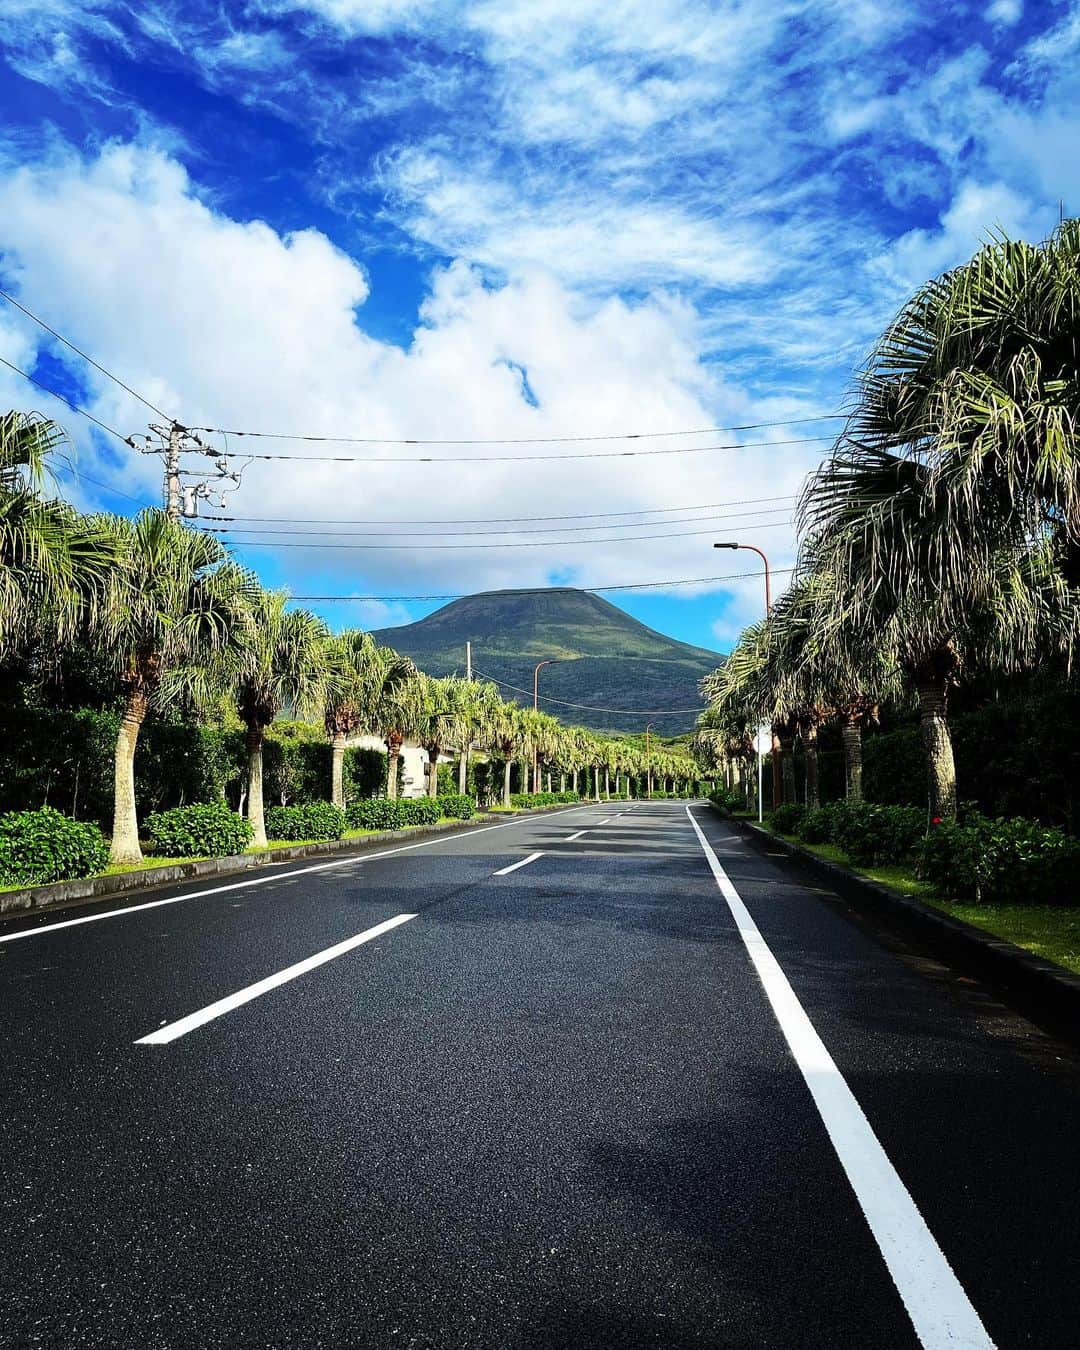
601 1078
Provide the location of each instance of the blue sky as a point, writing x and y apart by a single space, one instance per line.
479 220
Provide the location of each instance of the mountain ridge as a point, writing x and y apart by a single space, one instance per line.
622 670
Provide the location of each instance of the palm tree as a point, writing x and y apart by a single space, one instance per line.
507 731
956 475
53 561
279 662
445 705
359 675
400 715
172 604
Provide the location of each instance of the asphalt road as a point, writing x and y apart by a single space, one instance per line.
624 1095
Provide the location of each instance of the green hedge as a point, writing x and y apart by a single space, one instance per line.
37 847
525 800
209 830
456 805
1002 861
315 820
381 814
867 832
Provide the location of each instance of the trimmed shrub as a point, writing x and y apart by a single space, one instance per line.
37 847
816 827
787 818
1001 861
382 814
525 800
316 820
727 799
870 834
456 805
209 830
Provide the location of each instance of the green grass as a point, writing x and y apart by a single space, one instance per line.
114 869
1049 931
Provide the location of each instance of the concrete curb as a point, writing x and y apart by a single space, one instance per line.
1045 991
90 889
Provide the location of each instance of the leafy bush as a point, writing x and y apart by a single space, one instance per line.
37 847
316 820
456 805
381 814
869 833
727 799
787 818
1001 861
211 829
525 800
816 827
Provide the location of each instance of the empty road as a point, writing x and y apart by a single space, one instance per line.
601 1077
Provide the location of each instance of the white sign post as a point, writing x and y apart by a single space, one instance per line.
762 744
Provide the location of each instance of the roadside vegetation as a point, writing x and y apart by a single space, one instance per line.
156 700
938 564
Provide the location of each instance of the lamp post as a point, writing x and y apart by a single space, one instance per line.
536 707
648 762
776 748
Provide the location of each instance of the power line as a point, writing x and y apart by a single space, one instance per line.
63 399
519 440
503 520
522 459
539 590
79 352
588 707
533 543
554 529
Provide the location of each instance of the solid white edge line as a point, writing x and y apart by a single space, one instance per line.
522 862
174 1030
940 1310
262 880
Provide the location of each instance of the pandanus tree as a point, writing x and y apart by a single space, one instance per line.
280 662
359 676
54 562
445 705
172 608
956 472
400 715
507 733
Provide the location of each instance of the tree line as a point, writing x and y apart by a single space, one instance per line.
171 621
940 538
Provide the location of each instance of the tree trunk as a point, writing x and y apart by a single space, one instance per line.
596 780
562 782
937 747
648 784
255 784
125 835
573 780
607 783
463 771
851 736
787 768
393 754
433 772
810 748
548 780
337 770
507 765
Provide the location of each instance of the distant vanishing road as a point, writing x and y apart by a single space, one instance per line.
605 1077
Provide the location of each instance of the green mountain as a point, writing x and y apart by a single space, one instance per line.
605 658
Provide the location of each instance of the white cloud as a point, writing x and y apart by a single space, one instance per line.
1005 12
223 322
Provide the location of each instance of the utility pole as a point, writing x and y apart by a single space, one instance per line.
468 661
172 472
536 706
648 762
213 485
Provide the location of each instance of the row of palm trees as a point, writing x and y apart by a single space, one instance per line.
941 537
173 621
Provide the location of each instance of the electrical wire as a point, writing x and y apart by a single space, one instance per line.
79 352
524 459
63 399
503 520
540 590
589 707
533 543
519 440
551 529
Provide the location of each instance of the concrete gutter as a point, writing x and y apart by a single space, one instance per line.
89 889
1045 991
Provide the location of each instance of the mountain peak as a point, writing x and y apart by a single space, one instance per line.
606 658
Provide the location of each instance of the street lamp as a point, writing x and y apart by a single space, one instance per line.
754 549
776 783
536 706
